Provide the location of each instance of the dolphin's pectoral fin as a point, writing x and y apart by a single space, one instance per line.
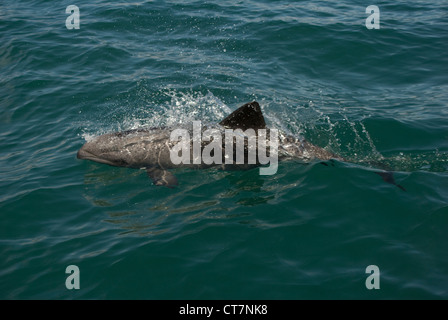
389 178
162 177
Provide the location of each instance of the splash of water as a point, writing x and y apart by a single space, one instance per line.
169 108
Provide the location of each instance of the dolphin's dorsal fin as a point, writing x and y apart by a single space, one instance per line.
245 117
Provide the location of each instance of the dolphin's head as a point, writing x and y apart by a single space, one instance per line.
107 149
133 148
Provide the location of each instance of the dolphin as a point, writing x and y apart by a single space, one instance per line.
150 148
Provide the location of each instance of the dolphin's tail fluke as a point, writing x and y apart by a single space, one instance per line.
388 177
387 174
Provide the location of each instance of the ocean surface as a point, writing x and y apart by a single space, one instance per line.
307 232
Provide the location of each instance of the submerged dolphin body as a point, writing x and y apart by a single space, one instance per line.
150 148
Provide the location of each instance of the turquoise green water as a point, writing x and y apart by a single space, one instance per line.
307 232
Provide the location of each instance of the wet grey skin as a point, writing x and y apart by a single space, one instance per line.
150 148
